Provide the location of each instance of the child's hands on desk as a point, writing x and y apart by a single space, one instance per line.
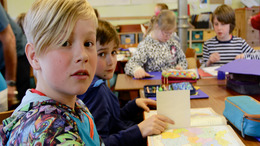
155 124
140 73
178 67
240 56
214 57
144 102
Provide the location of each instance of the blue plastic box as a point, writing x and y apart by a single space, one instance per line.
127 38
197 35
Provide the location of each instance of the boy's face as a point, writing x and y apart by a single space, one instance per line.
222 30
68 70
106 60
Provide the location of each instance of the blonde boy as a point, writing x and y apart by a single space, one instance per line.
61 48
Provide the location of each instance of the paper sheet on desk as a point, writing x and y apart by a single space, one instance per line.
175 105
211 70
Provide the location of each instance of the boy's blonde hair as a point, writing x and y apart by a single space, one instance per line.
106 33
51 22
226 15
165 20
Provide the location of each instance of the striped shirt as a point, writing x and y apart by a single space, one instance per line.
255 55
227 50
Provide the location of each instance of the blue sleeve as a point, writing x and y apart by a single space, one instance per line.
129 137
4 20
130 110
105 108
96 101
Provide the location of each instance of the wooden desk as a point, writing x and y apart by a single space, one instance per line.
127 83
216 101
217 95
209 82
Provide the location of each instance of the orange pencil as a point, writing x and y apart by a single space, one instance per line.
147 88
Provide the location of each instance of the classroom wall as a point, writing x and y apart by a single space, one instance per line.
15 7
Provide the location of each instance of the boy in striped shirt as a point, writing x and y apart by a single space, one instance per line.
224 47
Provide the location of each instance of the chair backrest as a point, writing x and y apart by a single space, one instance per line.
5 114
191 58
190 53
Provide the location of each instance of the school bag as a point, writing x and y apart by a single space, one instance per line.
244 113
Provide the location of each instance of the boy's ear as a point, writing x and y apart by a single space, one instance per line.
31 56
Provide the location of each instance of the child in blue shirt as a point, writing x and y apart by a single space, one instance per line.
115 125
61 48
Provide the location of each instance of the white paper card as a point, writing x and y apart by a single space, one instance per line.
175 105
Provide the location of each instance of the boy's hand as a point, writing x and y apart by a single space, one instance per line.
240 56
144 102
155 124
214 57
140 73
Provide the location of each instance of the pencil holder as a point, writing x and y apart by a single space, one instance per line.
221 75
150 90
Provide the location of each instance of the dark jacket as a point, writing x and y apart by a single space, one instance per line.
114 125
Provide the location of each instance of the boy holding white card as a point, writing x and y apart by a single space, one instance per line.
175 105
114 124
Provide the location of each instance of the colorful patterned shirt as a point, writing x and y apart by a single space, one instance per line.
49 122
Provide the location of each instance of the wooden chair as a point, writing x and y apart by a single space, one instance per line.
191 58
4 115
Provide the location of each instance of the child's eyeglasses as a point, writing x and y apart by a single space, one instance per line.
166 34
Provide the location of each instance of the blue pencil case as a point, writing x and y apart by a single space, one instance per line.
244 113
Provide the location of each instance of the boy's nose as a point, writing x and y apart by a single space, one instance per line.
109 60
81 54
82 59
